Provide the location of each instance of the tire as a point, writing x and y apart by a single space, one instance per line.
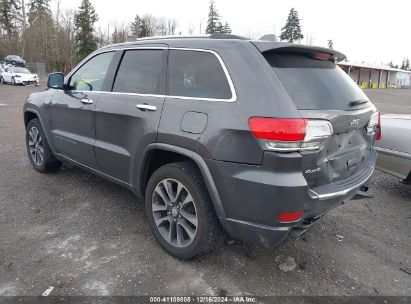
38 149
2 80
14 81
208 234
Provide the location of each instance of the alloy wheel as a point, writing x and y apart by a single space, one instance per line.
36 146
174 213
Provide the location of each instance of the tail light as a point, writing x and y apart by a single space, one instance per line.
374 125
287 135
322 56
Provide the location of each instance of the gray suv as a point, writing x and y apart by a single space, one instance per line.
218 134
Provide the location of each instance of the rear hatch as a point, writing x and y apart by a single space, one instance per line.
322 91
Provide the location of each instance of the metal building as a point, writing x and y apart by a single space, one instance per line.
374 76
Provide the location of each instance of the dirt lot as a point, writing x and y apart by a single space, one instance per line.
396 101
86 236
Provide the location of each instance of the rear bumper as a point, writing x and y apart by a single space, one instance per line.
342 187
254 196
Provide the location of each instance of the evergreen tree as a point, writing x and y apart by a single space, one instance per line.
10 17
84 21
292 29
390 64
40 34
403 64
39 11
330 44
145 28
407 64
213 22
136 27
226 29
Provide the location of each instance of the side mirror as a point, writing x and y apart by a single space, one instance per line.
56 81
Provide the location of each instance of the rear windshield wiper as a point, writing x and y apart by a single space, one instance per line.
358 102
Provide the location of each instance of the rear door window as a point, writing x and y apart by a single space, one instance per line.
197 74
140 72
315 84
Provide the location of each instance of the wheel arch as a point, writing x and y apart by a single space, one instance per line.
30 114
146 168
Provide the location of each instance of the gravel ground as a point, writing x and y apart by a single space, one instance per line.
396 101
86 236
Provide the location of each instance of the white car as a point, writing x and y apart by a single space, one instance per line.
394 149
17 75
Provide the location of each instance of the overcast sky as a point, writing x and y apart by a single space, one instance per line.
365 30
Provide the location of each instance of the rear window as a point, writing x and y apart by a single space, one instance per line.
197 74
315 84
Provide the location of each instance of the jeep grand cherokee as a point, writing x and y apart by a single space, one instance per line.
218 134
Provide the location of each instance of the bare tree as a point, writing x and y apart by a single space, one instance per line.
171 26
149 25
253 35
161 27
191 28
120 33
103 37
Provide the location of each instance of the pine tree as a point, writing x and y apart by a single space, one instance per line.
10 17
40 34
330 44
403 66
84 21
39 11
213 22
226 29
407 64
136 27
292 29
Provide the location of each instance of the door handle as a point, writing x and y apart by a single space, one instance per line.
86 101
146 107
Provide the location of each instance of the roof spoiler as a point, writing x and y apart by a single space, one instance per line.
285 47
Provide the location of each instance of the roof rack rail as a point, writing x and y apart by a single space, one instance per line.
227 36
132 40
170 37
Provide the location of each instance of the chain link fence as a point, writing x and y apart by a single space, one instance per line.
38 68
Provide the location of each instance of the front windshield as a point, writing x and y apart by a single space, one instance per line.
21 70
